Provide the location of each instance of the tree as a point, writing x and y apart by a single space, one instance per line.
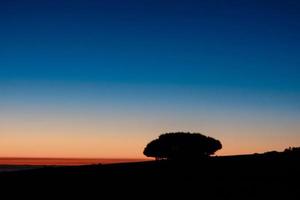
182 145
292 150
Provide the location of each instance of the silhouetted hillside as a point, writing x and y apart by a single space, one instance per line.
239 177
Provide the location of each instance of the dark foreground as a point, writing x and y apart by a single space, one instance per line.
239 177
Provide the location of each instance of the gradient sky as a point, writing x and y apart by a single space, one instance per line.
101 78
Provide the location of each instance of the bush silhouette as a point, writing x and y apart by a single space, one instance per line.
294 150
182 145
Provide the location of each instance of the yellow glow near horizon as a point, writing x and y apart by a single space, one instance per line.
77 137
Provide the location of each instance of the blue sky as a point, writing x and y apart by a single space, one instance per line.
181 62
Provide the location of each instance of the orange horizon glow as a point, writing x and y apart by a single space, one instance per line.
64 161
49 136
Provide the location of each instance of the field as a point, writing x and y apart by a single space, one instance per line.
232 177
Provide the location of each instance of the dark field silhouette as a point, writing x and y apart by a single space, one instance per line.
269 175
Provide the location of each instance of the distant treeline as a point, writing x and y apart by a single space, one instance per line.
290 150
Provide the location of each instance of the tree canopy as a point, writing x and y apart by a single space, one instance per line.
182 145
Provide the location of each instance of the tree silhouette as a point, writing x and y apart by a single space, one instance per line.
294 150
182 145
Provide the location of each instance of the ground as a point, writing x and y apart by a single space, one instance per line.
235 177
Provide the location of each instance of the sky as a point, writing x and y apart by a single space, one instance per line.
101 79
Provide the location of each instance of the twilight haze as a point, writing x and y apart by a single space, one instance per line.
102 78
